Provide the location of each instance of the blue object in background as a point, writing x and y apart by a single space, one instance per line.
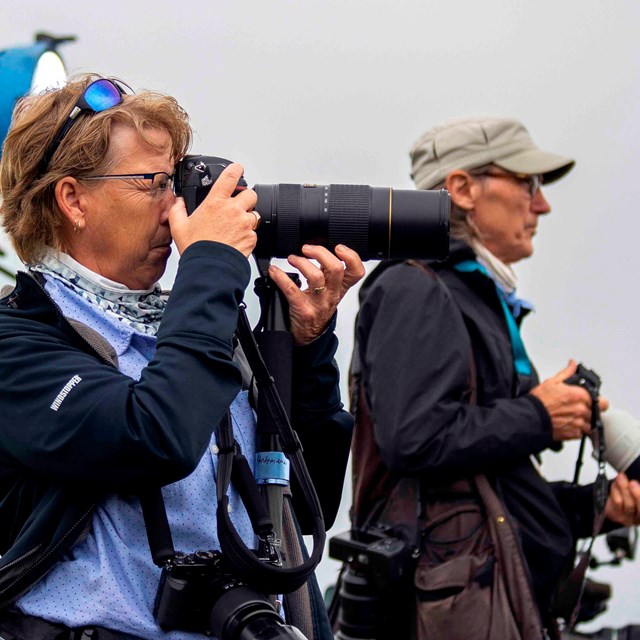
23 69
19 71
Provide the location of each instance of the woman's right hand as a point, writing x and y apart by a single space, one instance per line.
568 406
221 216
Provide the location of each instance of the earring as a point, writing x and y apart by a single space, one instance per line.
76 226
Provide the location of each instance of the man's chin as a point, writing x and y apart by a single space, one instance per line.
525 252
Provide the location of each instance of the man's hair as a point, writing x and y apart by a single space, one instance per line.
461 226
28 208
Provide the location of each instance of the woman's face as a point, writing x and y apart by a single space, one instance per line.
126 235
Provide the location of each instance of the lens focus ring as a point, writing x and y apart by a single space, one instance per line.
349 207
288 213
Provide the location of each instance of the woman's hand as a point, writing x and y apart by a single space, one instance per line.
221 216
311 310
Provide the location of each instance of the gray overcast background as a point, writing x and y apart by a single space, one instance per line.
337 91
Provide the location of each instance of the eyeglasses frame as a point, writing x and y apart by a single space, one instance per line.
133 176
534 180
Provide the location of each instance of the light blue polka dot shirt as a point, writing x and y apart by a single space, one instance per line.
109 579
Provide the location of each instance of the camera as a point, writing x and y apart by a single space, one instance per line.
621 429
198 593
375 592
586 378
386 559
376 222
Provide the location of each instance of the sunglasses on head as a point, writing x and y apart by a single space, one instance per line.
99 96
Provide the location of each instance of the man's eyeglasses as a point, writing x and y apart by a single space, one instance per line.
99 96
532 182
160 180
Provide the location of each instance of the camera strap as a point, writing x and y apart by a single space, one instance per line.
266 576
570 593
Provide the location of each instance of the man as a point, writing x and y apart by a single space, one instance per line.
442 385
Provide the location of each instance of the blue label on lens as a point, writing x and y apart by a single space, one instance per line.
272 467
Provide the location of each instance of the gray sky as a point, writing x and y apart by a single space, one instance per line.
338 90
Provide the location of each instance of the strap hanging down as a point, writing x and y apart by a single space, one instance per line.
267 577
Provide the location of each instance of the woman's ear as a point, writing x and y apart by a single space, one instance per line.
461 187
70 198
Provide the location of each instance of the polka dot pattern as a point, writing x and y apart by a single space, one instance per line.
108 578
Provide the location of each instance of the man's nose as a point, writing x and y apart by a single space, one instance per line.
539 204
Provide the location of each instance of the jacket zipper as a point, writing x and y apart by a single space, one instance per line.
48 553
93 505
21 558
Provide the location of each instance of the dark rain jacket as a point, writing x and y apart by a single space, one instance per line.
420 332
74 428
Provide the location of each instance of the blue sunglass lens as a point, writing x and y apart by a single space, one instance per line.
102 95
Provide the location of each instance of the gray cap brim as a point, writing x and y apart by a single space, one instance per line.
474 141
535 161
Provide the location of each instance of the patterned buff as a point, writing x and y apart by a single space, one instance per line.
141 310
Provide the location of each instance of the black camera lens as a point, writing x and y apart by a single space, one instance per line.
242 613
376 222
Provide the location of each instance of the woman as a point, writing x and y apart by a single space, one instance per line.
110 388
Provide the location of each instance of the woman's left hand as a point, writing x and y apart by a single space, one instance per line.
311 310
623 503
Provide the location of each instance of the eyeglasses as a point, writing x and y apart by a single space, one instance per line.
99 96
532 182
160 180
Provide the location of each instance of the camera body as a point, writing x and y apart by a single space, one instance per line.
586 378
198 593
621 429
188 589
385 559
376 222
374 597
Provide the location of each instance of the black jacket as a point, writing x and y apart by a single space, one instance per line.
420 332
75 428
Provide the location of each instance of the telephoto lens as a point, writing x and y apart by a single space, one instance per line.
377 222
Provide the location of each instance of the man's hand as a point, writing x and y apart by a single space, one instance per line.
568 406
311 310
623 503
219 217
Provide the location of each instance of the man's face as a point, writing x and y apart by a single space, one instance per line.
506 213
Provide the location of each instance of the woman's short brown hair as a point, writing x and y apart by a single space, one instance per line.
30 214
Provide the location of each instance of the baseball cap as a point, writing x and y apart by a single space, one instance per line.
470 142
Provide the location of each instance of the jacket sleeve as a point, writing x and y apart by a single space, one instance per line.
323 426
578 504
416 360
112 432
